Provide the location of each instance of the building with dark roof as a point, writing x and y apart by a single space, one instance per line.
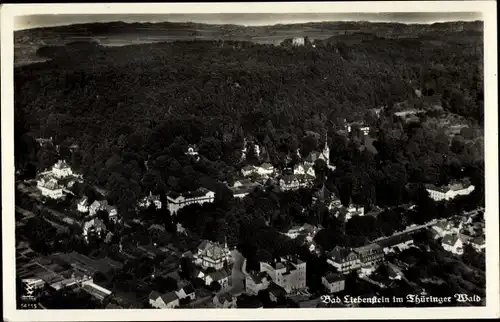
289 273
163 301
333 282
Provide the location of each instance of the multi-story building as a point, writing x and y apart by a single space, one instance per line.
265 169
448 192
83 204
453 243
370 255
168 300
199 196
354 210
344 260
61 169
212 255
289 273
151 199
333 282
50 188
298 41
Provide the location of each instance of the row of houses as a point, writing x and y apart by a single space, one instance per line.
170 300
450 191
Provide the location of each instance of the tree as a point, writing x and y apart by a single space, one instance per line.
215 286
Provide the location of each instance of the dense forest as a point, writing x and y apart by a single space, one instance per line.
132 111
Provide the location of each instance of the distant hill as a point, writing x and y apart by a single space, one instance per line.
28 41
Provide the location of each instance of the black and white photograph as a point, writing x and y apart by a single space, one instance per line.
221 158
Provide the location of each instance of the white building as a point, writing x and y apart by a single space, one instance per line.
448 192
94 225
50 188
193 153
151 199
83 204
479 243
289 273
212 255
266 169
304 169
199 196
333 282
61 169
298 41
354 210
453 243
248 170
168 300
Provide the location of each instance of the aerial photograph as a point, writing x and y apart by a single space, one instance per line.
252 160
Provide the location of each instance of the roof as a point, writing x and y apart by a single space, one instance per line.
257 277
51 184
213 251
248 168
267 166
200 192
332 277
219 275
61 164
276 290
450 240
223 297
113 306
395 240
479 240
289 178
340 253
188 289
154 295
169 297
367 248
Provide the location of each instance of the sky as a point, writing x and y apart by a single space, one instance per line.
246 19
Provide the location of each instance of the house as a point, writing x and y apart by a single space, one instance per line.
151 199
199 196
298 41
50 188
287 272
289 182
453 243
95 290
448 192
275 292
400 241
248 170
220 276
344 260
256 282
266 169
96 206
354 210
166 301
94 225
83 204
363 128
333 282
243 187
186 292
224 301
61 169
112 213
443 228
304 169
394 272
370 255
315 155
212 255
479 243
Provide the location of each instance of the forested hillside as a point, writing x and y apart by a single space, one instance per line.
127 105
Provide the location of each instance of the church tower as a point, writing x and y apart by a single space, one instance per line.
326 150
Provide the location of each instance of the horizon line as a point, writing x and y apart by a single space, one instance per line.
247 25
